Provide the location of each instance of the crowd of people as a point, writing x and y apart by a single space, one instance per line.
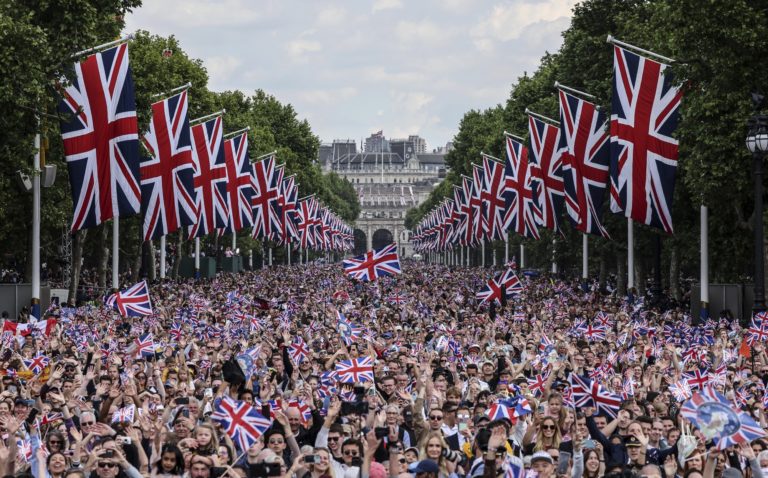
458 389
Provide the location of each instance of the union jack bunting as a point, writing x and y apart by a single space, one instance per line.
496 197
101 139
132 302
355 370
239 182
719 420
644 114
210 178
264 202
37 364
167 186
548 172
373 264
584 148
240 421
522 208
588 393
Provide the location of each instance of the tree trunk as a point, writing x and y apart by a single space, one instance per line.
103 257
179 255
674 273
621 274
77 256
151 260
603 271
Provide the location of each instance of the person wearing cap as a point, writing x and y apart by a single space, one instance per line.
636 451
424 469
543 464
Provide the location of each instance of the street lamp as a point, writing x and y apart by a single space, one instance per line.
757 143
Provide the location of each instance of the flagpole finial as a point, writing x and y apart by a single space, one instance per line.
609 39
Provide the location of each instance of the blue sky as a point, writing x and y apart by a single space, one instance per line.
354 67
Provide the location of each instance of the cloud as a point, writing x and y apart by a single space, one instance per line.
420 33
299 48
327 97
380 5
507 21
412 101
331 16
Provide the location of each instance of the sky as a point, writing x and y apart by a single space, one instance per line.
354 67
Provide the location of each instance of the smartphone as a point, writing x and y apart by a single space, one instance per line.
381 432
265 412
563 462
109 453
12 389
185 412
589 444
263 469
31 416
209 392
182 400
312 459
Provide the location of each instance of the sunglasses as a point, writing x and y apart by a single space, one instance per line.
351 453
55 442
106 465
547 427
334 438
276 442
435 417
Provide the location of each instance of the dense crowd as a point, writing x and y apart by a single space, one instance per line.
458 389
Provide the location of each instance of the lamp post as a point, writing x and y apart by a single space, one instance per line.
757 143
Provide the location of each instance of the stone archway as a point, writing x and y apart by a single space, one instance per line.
381 238
361 242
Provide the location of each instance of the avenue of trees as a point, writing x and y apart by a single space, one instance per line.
720 49
37 40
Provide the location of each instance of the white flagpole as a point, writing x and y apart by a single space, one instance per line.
288 247
115 251
482 252
506 250
704 261
522 256
493 251
162 256
554 251
36 312
630 254
584 257
270 256
197 258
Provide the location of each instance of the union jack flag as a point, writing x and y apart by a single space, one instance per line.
585 154
101 139
498 410
496 197
298 350
681 390
462 202
374 264
240 421
719 420
303 408
305 223
397 299
492 290
697 378
167 185
348 331
644 113
548 171
145 345
355 370
37 364
24 448
239 182
132 302
522 208
476 202
757 332
590 393
264 202
593 334
124 415
287 205
536 384
51 417
210 178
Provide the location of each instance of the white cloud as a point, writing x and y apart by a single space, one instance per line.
301 46
221 68
420 33
412 101
379 5
327 97
331 16
508 20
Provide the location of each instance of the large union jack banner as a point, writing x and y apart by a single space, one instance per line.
495 198
168 198
132 302
519 182
210 178
644 113
584 149
720 420
101 139
239 182
548 171
373 264
476 201
305 223
264 203
287 204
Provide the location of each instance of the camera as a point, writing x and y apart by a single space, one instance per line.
124 440
354 408
311 459
452 455
261 470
